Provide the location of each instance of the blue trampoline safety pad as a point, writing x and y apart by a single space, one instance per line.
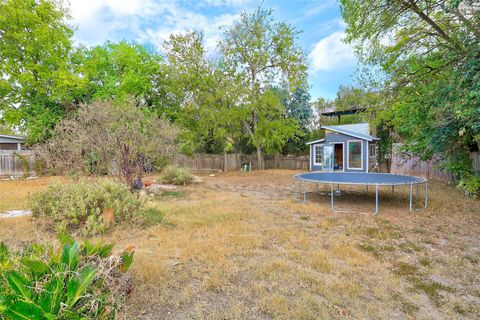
362 178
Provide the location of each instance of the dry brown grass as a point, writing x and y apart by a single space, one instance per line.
14 193
237 247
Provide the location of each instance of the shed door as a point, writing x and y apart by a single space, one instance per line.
328 158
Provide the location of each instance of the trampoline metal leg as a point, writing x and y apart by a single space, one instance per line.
411 197
331 197
426 195
393 189
417 193
304 192
317 186
376 199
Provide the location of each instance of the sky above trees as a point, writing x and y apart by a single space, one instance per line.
330 61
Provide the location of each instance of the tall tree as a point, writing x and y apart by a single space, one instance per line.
115 71
38 76
207 94
264 52
298 108
429 52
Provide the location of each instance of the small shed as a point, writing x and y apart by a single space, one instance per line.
346 148
9 142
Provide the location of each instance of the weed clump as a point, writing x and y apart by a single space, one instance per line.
177 176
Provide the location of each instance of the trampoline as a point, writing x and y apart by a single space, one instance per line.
360 178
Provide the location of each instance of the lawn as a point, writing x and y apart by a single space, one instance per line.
236 246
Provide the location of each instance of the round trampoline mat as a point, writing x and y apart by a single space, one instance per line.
362 178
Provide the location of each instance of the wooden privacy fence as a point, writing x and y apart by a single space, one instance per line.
229 162
280 162
404 163
475 156
208 162
16 163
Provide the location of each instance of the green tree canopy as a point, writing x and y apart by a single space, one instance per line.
206 93
115 71
38 71
264 53
429 53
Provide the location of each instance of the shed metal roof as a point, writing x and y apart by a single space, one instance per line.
11 137
360 134
315 141
5 138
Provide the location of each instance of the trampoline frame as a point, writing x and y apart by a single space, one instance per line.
418 181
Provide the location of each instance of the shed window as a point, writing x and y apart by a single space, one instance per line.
372 150
318 154
355 148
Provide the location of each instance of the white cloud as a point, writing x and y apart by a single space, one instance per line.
177 22
149 21
224 3
331 53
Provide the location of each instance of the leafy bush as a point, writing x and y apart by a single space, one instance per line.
76 282
95 140
178 176
25 163
81 204
471 185
159 163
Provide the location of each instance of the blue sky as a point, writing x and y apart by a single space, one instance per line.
331 62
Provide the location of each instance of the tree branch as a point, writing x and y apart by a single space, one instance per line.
413 7
467 23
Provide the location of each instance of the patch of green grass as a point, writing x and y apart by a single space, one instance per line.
431 288
424 262
461 311
410 247
376 233
388 248
150 216
384 223
173 194
404 269
471 259
395 235
369 248
305 218
164 195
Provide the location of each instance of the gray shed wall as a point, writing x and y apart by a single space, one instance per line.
332 137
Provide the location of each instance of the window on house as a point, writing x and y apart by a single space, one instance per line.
355 154
372 150
318 155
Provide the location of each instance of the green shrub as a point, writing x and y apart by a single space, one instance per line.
159 163
25 163
471 185
76 282
81 204
178 176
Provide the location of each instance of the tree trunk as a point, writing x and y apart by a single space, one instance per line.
261 165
